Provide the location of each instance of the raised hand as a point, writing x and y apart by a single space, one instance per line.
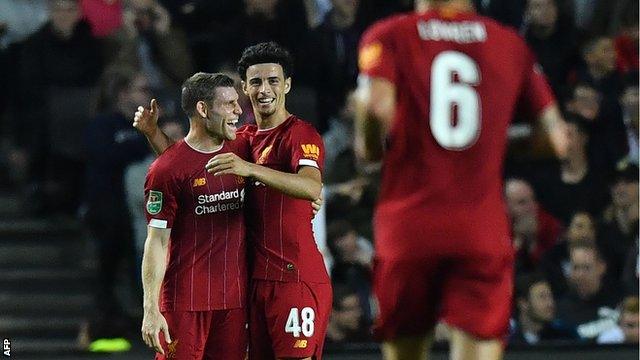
146 119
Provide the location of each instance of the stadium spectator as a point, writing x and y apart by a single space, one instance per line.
631 115
573 184
627 329
18 20
352 261
339 159
590 303
553 38
148 41
112 146
104 16
607 136
347 246
585 101
336 45
618 228
599 56
347 323
536 319
534 231
555 262
59 68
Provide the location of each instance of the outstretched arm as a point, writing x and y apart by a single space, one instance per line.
146 121
305 184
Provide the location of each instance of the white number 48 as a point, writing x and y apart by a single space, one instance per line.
307 315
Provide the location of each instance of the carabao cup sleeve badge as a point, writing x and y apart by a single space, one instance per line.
154 202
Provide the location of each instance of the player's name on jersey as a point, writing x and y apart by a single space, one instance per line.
215 204
463 32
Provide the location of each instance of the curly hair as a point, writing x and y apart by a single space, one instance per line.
265 53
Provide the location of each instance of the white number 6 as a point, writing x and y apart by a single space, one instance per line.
445 93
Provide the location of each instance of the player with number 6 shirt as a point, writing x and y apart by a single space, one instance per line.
437 90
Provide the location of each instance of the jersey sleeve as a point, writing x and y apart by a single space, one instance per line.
376 55
536 93
160 191
307 148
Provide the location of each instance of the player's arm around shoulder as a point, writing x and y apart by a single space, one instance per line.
154 266
306 184
306 155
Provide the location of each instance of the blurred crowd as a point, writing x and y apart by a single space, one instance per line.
72 73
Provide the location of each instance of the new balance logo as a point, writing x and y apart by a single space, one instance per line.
300 344
199 182
172 349
311 151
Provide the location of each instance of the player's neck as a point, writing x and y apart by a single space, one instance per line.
200 139
273 120
447 6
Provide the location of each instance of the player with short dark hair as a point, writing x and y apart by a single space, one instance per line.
194 268
438 88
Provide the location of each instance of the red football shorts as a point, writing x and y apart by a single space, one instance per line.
218 334
287 319
473 296
462 275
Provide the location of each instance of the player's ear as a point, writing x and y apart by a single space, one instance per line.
287 85
244 87
202 109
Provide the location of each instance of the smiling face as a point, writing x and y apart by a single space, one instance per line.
221 117
266 87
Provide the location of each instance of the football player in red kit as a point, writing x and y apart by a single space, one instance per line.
194 268
437 91
291 291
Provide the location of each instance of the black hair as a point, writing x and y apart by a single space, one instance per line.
201 87
265 53
524 283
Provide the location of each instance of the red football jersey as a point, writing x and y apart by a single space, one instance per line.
206 267
279 226
459 78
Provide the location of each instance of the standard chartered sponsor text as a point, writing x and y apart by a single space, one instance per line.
210 203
